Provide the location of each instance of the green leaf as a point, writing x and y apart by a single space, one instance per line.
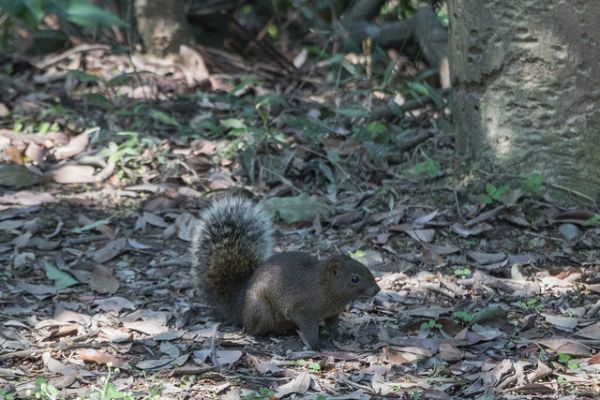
29 12
437 98
388 74
426 169
233 123
490 188
61 278
120 80
593 219
563 357
83 76
163 117
43 127
355 111
333 156
99 100
326 170
351 69
534 183
357 254
418 88
85 14
464 316
377 127
314 366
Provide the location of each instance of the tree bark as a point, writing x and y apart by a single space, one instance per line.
526 79
163 25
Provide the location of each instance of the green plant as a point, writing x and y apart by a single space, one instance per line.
430 325
263 393
463 316
495 194
567 361
45 391
30 15
414 395
108 390
462 272
427 169
127 153
106 97
529 304
6 395
533 184
314 367
187 381
357 254
155 391
593 220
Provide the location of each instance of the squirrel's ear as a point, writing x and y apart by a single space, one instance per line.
334 266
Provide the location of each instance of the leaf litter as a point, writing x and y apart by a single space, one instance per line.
481 295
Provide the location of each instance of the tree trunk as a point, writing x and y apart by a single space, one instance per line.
162 24
526 80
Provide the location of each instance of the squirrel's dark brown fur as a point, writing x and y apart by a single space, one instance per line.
232 268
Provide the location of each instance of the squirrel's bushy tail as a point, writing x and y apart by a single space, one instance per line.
232 238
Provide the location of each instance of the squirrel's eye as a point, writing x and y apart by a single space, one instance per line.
355 278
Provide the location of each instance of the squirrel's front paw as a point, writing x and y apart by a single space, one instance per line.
310 336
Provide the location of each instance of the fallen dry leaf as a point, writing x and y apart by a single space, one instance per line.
101 357
111 250
103 280
75 146
300 385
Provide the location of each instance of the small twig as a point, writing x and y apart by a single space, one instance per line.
559 240
356 385
56 231
436 288
190 371
485 216
58 346
86 239
573 192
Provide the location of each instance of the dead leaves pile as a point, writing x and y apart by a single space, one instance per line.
91 292
479 300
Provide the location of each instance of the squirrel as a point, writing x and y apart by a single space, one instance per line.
236 274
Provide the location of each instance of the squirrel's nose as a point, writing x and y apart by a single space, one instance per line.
375 289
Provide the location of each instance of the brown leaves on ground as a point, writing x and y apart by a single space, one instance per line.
511 328
481 295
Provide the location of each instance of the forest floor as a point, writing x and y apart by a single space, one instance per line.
490 288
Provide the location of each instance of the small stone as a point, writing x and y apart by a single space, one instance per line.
4 111
569 231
